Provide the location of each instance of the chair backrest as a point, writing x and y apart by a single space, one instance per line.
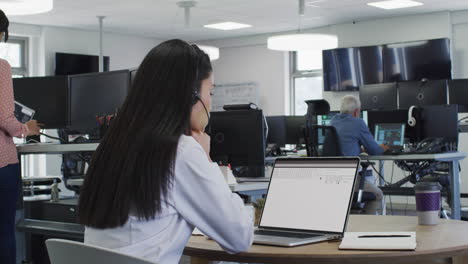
70 252
326 141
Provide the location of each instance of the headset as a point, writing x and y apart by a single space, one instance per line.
196 95
411 119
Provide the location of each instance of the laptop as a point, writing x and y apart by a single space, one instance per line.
308 201
391 134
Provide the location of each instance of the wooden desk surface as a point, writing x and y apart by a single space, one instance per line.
446 240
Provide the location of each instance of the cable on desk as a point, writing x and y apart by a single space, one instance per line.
56 138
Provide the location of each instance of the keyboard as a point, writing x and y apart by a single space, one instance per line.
284 234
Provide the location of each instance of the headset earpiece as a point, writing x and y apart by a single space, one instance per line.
411 119
195 98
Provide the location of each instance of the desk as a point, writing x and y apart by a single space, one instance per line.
436 244
54 148
452 158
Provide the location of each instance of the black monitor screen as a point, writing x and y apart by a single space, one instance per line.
341 69
413 61
48 96
379 96
397 116
237 138
458 93
94 95
284 130
422 93
68 64
440 121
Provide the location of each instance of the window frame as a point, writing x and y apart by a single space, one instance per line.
24 54
295 73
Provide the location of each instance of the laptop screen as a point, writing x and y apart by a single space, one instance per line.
390 134
310 194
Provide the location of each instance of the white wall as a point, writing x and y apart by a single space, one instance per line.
256 64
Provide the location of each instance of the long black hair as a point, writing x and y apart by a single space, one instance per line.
4 24
132 169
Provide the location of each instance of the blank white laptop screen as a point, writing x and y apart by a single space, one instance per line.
310 195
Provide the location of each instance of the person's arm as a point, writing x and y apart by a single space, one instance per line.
367 140
8 121
203 198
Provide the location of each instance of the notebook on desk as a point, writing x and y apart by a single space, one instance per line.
379 241
308 201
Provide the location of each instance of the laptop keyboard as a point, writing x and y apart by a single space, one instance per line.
284 234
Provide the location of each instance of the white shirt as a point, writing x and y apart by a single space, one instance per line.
200 198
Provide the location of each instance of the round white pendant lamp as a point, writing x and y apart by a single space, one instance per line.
213 52
297 42
302 41
26 7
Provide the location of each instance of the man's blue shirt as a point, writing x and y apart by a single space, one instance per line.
354 133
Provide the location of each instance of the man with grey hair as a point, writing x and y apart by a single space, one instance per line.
355 137
352 130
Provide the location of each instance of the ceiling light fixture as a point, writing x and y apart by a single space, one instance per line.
227 26
26 7
213 52
301 41
395 4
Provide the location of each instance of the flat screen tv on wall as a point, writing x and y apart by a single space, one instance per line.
417 60
345 69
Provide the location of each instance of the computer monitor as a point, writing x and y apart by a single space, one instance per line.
48 96
324 120
96 94
390 134
237 138
422 93
458 93
440 121
379 96
68 64
284 130
397 116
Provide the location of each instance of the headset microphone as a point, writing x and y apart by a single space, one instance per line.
198 98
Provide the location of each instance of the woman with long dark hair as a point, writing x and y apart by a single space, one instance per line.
10 179
151 181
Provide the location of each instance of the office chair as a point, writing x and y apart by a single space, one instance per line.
70 252
327 144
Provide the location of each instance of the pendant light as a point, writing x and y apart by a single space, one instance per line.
26 7
302 41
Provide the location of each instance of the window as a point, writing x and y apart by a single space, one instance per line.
15 52
306 79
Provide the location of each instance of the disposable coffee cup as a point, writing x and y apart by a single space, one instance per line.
428 202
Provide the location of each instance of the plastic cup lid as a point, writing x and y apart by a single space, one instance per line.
427 186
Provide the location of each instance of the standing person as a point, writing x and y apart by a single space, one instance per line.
151 181
10 178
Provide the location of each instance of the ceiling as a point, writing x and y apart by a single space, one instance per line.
162 19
